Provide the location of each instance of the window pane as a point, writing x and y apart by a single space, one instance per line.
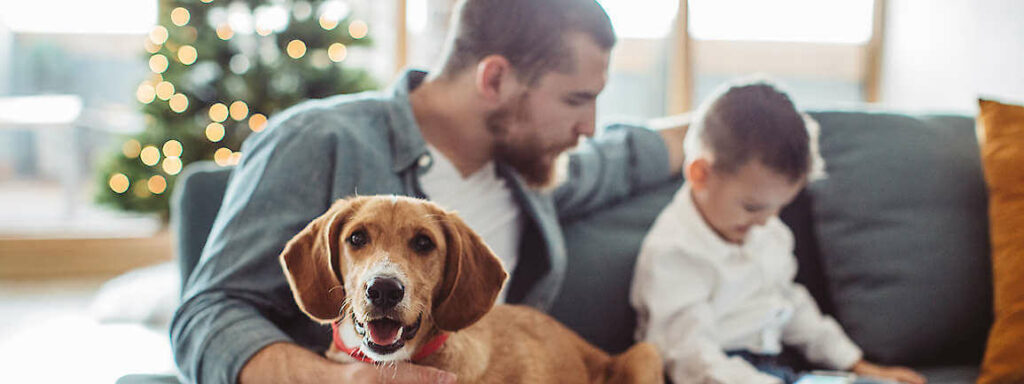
834 21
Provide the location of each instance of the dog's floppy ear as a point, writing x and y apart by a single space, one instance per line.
310 261
473 277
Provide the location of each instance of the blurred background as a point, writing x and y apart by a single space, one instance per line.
103 104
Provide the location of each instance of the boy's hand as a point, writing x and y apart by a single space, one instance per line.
901 374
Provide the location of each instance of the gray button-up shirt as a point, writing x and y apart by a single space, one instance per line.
237 300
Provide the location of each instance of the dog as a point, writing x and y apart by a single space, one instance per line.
401 279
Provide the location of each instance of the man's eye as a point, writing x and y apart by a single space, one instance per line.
359 238
573 102
751 209
421 244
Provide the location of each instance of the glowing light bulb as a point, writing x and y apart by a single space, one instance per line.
145 93
187 54
131 148
172 165
180 16
149 155
296 49
157 184
119 183
215 132
222 156
164 90
337 52
328 23
158 35
218 112
239 110
158 63
224 32
358 29
257 122
178 103
172 148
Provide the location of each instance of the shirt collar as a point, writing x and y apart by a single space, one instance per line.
691 218
406 138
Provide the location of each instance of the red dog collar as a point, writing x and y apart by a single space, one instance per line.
426 350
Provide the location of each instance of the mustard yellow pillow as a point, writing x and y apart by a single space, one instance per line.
1001 135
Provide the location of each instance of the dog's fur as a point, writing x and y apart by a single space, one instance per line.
450 287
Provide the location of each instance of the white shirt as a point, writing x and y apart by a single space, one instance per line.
483 200
698 296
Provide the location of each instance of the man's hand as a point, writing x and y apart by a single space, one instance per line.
290 363
673 131
901 374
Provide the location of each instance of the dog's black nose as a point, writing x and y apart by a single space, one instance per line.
384 292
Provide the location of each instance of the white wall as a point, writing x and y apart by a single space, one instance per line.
6 39
943 54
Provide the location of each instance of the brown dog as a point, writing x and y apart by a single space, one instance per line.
401 279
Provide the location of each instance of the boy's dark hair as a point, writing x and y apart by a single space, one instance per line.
756 121
529 33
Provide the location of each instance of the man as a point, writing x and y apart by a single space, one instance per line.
515 89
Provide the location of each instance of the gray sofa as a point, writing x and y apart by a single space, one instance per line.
894 243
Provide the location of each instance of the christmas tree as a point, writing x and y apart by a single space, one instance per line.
219 68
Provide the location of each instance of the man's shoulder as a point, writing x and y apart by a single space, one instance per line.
349 113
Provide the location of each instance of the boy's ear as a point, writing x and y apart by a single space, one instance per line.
698 172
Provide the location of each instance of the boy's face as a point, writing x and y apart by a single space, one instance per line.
733 203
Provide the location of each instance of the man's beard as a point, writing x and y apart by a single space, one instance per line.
528 156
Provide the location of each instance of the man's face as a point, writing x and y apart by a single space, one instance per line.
733 203
547 119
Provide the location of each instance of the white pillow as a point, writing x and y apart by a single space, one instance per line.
147 296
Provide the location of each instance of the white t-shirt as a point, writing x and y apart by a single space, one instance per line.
483 200
698 296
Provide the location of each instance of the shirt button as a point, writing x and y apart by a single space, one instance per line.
424 161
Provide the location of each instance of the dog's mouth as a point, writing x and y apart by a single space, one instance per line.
386 335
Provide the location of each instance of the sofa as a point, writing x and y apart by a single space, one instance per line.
893 243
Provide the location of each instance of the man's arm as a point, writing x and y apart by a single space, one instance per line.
622 160
227 327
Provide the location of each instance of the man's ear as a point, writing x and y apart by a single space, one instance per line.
473 277
697 173
311 262
495 80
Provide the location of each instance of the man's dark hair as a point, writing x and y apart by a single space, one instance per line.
529 33
756 121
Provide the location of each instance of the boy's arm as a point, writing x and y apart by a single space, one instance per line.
671 294
622 160
818 336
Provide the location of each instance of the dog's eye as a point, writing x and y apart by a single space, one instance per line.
358 238
421 244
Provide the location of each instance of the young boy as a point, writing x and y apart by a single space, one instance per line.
713 286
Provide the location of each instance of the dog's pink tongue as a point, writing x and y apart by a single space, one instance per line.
384 332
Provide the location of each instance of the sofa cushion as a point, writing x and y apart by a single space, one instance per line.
602 249
902 229
1001 129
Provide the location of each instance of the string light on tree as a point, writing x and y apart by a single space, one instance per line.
224 32
358 29
131 148
158 63
172 165
187 54
218 112
158 35
222 156
145 93
149 155
172 148
180 16
178 103
164 90
257 122
296 49
337 52
239 110
157 184
214 132
119 183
